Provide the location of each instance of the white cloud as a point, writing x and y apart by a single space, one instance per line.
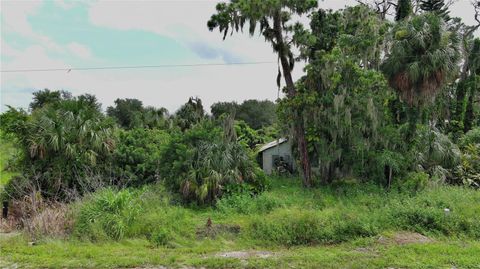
66 4
80 50
158 87
184 21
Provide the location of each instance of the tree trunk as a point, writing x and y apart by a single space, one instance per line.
299 129
412 122
469 114
459 105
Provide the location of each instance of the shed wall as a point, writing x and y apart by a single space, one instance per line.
284 149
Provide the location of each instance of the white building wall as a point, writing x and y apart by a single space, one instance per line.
284 149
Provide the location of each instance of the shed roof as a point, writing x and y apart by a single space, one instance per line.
273 144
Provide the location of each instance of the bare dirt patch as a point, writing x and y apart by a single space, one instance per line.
210 230
245 254
403 238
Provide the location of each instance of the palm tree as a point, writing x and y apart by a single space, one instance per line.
423 58
271 18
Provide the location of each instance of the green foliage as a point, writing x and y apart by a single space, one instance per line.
233 16
249 137
8 158
288 227
347 124
414 181
245 203
13 122
356 212
189 114
436 153
62 144
471 137
45 97
436 6
423 57
136 159
256 114
403 9
107 215
159 237
198 164
468 172
130 113
219 108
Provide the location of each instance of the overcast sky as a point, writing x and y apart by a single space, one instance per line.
64 34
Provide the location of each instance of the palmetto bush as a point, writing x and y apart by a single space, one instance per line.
199 164
64 143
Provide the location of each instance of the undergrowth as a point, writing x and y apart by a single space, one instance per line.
285 215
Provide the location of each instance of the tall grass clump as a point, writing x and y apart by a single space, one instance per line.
245 203
307 227
107 214
448 211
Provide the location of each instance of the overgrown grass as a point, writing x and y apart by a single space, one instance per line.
149 227
286 215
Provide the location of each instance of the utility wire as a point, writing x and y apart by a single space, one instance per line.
68 69
130 67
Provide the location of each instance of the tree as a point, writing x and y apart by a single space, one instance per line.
44 97
437 6
403 9
220 108
472 85
423 58
467 85
255 113
272 17
190 113
126 112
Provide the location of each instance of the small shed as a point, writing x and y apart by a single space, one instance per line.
277 155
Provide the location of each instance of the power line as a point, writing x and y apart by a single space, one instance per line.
129 67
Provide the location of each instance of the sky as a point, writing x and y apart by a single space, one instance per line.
71 34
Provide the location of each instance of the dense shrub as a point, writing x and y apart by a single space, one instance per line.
199 164
130 114
62 143
256 114
468 172
137 156
414 181
471 137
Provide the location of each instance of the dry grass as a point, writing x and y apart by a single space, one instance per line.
38 218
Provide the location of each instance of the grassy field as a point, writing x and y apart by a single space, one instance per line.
361 253
345 226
